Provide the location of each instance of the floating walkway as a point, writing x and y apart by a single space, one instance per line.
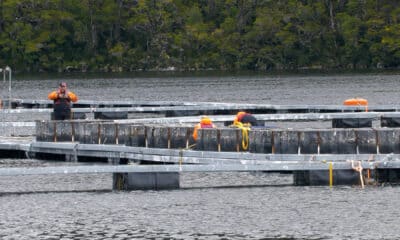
109 153
194 108
321 169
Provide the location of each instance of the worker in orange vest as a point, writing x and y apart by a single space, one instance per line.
62 99
205 122
244 117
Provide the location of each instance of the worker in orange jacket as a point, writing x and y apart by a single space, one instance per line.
244 117
205 122
62 102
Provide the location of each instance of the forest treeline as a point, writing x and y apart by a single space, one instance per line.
132 35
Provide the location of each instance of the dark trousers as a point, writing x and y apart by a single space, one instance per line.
64 114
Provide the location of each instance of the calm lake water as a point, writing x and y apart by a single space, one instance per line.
209 205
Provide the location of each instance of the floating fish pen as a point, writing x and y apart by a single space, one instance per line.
150 153
368 145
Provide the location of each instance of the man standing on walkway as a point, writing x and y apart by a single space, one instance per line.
62 102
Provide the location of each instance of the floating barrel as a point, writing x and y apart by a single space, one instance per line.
366 141
309 141
286 142
137 136
157 137
390 122
321 141
388 175
97 132
225 139
92 134
352 123
106 133
321 178
56 131
180 137
389 140
274 141
231 139
168 137
208 139
345 141
146 181
262 141
44 131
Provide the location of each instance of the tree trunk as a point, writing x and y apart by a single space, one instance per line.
331 15
1 16
93 28
117 27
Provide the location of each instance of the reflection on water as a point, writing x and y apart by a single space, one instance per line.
209 205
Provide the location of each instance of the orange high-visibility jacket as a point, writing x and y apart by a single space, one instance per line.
57 95
239 117
205 122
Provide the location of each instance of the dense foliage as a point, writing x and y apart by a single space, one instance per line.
130 35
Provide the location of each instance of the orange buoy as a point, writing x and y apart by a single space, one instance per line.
356 102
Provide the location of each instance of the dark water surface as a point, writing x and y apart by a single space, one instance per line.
209 205
276 89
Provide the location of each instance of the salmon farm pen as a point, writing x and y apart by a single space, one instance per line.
148 144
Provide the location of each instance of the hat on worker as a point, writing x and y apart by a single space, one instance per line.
205 120
63 84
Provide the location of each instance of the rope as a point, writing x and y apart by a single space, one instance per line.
190 147
180 157
359 169
245 127
181 154
366 106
